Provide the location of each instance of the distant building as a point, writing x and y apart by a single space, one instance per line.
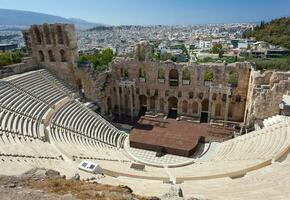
203 44
8 47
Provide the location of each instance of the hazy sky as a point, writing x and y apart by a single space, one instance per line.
169 12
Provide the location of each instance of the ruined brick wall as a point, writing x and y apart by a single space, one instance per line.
192 98
267 91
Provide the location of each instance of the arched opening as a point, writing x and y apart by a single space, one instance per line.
186 76
233 78
152 103
142 74
231 110
214 96
80 88
172 107
208 77
109 105
62 55
47 34
184 106
204 111
194 107
59 35
161 73
41 56
51 56
37 35
143 105
200 95
126 109
173 78
204 105
217 110
161 104
126 73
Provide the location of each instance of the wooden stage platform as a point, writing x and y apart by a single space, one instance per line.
171 136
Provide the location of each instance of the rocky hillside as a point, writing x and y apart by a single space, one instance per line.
45 184
276 32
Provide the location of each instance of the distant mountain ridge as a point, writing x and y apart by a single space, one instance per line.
27 18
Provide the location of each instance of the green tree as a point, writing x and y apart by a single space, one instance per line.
161 73
276 32
8 58
142 73
217 49
186 74
233 77
208 76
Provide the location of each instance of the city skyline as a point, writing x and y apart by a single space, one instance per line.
161 12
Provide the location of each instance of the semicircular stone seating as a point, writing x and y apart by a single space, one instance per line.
251 166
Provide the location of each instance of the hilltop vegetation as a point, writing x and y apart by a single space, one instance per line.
276 32
8 58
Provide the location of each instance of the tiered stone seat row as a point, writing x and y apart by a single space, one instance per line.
75 120
42 85
57 82
20 112
274 120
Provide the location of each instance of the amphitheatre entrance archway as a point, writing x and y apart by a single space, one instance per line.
142 105
204 111
172 107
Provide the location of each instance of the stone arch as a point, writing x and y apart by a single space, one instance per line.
172 107
184 106
231 110
126 73
173 77
109 105
217 112
62 55
172 103
186 74
214 96
152 103
200 95
51 56
79 84
41 56
142 104
122 72
204 105
126 103
161 104
143 100
233 78
47 34
37 35
209 75
142 73
195 107
59 34
161 73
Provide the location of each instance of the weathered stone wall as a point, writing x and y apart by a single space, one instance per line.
267 91
121 90
190 96
54 46
25 66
